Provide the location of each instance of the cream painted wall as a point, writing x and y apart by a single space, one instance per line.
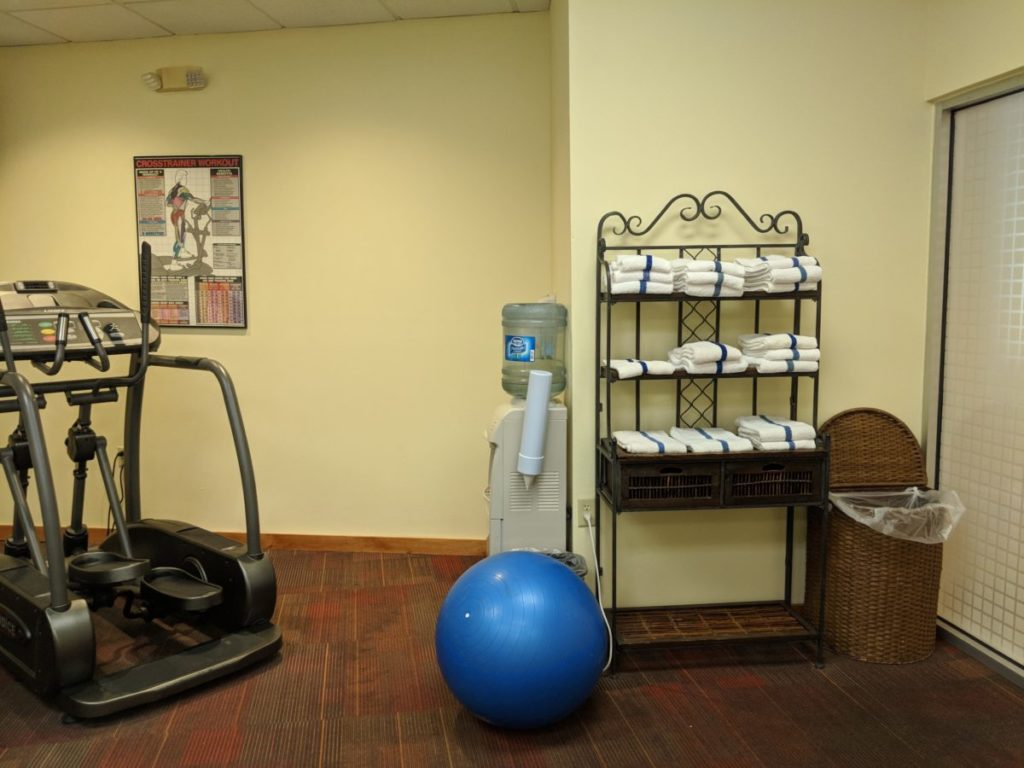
971 43
973 52
397 193
795 104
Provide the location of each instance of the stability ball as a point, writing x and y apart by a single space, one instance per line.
520 640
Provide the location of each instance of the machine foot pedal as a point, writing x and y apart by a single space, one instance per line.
177 589
105 568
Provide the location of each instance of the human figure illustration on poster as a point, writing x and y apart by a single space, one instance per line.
190 216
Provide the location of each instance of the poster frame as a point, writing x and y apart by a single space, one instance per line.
201 273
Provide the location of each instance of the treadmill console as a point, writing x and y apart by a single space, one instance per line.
34 310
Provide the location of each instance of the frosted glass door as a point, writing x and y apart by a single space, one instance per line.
981 438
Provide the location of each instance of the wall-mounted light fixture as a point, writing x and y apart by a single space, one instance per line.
175 79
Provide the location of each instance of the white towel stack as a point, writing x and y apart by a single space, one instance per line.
781 352
710 440
630 368
776 434
649 441
707 278
780 274
707 357
640 273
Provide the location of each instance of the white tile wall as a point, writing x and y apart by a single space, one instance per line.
982 440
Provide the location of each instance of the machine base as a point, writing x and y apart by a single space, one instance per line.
156 680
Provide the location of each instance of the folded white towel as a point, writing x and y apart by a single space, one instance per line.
762 428
784 445
651 441
710 440
784 280
703 352
711 291
707 265
783 366
642 262
777 261
723 366
753 268
810 274
779 287
624 275
630 369
785 354
640 286
759 342
708 278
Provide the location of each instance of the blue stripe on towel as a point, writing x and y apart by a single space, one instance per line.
718 367
661 445
647 271
718 283
643 365
796 354
643 285
787 430
725 445
792 341
725 352
650 263
803 272
789 365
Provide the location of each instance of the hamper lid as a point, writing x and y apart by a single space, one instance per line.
871 448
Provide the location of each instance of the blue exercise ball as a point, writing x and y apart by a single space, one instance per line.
520 640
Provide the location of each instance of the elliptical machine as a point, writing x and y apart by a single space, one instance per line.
154 569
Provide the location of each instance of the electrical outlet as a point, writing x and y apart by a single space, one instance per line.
585 507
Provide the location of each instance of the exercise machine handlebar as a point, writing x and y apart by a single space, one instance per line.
5 342
32 425
60 344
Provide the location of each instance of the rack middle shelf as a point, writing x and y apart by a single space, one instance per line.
630 482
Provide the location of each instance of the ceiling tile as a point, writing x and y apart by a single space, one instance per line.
32 5
323 13
202 17
98 22
428 9
16 32
31 22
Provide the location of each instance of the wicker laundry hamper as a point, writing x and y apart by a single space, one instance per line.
882 593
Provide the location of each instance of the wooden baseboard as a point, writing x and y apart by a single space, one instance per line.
318 543
310 543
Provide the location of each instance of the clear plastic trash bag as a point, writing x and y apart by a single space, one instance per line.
927 516
575 561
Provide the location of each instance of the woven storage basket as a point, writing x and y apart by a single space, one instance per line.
882 593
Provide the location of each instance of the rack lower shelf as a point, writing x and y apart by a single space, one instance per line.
665 626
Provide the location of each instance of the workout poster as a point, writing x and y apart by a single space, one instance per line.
189 210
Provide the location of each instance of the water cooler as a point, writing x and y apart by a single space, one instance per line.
524 514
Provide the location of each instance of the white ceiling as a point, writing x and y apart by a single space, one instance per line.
43 22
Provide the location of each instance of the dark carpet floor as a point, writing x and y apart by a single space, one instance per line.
357 685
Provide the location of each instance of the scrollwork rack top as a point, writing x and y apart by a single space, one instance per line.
708 208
